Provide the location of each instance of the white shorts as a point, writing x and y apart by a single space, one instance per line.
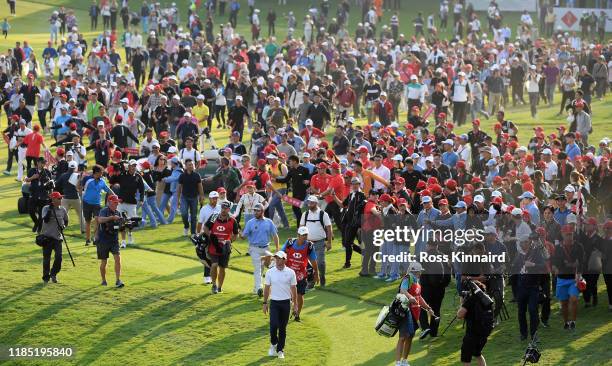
128 208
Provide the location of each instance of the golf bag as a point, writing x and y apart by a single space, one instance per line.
390 317
201 243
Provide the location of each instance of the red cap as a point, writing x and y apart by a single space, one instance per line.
329 153
60 151
15 117
55 195
528 187
461 164
335 165
442 115
525 177
497 126
114 198
163 134
386 198
402 201
436 188
476 122
362 149
591 221
187 91
513 144
400 180
117 154
380 142
73 126
498 179
450 125
497 200
432 180
74 112
579 104
451 184
261 162
158 87
425 192
421 184
443 202
324 145
507 157
476 180
322 165
221 190
145 165
468 187
409 126
118 118
529 157
349 174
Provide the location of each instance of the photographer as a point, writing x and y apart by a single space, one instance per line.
478 324
529 266
41 185
108 239
131 186
54 220
66 183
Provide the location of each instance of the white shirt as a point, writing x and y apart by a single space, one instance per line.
192 154
316 231
551 171
280 283
248 201
207 211
383 172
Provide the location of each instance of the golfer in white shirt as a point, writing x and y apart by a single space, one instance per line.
280 288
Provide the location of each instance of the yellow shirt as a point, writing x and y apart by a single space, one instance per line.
200 113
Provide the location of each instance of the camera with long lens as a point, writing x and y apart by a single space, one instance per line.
126 222
472 289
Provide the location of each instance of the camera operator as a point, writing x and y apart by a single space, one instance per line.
108 238
130 183
79 152
41 185
54 220
478 325
67 184
434 281
529 265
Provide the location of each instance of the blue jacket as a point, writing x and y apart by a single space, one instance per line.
173 179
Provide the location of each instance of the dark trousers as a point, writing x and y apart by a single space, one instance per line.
433 295
297 212
42 117
333 210
94 23
30 162
567 96
35 211
527 300
279 317
459 113
12 6
12 154
517 94
349 233
545 288
48 271
608 280
591 287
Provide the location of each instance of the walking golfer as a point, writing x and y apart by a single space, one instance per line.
281 289
258 232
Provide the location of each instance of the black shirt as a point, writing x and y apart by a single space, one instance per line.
29 94
67 189
189 183
129 184
568 260
297 176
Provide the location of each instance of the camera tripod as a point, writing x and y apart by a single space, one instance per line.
501 311
61 230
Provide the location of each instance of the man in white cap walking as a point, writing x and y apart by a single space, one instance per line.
281 290
319 233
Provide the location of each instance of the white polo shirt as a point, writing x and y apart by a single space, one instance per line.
207 211
316 231
280 283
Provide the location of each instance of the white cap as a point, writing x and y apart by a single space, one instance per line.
308 122
398 157
271 156
280 253
132 162
306 155
415 267
479 198
302 230
313 199
570 188
73 165
448 141
124 100
213 194
201 97
383 94
496 194
571 219
426 199
100 124
413 77
238 97
490 230
516 211
172 149
546 152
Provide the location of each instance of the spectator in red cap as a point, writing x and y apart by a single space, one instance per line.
52 216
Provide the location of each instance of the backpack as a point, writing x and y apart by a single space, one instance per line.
320 220
483 322
258 182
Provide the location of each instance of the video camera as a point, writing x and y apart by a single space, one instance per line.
126 222
472 289
532 353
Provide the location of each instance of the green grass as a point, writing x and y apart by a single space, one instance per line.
166 316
